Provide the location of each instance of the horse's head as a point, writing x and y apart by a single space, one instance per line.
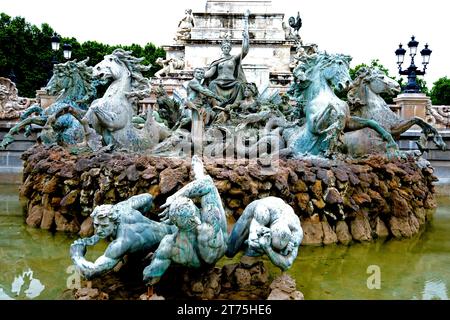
70 75
374 80
379 82
315 68
111 67
335 69
61 78
121 64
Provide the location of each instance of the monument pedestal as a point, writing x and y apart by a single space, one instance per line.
267 62
412 105
44 98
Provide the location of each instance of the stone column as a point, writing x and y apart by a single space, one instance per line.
44 98
412 105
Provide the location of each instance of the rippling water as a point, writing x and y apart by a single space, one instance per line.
35 264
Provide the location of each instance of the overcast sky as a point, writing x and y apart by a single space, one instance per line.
363 29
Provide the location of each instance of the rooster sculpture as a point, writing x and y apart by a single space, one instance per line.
295 23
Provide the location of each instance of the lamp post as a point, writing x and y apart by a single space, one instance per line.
67 51
55 47
412 72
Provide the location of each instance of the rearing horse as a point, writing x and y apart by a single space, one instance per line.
365 101
327 116
73 82
111 116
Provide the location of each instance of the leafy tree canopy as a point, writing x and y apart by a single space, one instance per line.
26 54
440 93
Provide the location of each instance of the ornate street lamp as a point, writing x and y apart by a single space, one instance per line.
412 72
55 47
55 42
67 51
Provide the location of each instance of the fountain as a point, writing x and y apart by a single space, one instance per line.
284 174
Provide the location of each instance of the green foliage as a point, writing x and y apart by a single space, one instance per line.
26 50
375 63
440 93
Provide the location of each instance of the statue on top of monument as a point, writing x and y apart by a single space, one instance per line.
225 76
296 24
168 65
288 34
185 25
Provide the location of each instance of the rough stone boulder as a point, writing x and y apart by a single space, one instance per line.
284 288
337 201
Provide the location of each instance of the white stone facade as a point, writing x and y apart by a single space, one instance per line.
269 55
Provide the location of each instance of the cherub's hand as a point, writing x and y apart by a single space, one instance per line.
265 240
261 231
168 202
164 216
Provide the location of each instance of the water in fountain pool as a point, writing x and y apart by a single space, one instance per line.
35 263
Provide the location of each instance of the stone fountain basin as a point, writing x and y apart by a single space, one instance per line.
337 201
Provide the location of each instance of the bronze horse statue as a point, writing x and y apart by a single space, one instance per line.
327 116
365 101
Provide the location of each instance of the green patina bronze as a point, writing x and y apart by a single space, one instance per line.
327 117
365 102
72 82
130 231
112 115
202 235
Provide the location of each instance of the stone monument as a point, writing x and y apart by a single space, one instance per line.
267 63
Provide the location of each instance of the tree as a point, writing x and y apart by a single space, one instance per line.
440 93
25 49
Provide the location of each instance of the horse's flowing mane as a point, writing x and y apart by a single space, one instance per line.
310 65
140 85
70 68
357 94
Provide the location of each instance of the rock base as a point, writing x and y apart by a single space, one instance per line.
337 201
248 279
